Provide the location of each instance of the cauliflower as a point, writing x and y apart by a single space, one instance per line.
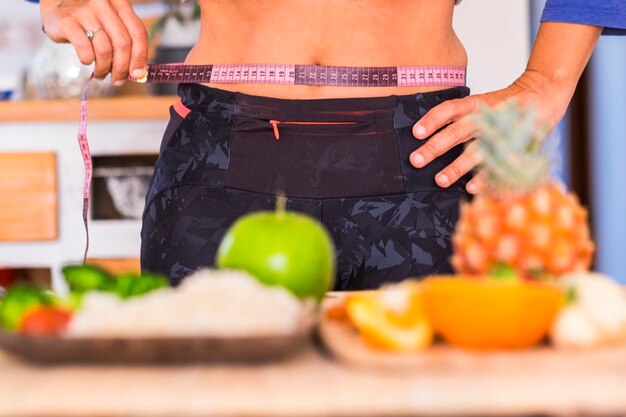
597 314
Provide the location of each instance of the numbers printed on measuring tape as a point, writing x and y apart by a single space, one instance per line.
307 75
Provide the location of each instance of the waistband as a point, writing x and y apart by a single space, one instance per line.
404 109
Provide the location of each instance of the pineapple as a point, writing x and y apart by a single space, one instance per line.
522 220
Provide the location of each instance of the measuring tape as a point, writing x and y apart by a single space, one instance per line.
83 143
314 75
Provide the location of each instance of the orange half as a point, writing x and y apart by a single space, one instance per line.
482 313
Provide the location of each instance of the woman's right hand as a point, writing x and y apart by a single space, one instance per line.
119 44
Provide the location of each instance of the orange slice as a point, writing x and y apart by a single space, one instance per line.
482 313
391 319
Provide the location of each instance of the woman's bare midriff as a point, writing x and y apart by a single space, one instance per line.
327 32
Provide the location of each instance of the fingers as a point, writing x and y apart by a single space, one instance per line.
458 132
476 184
138 36
459 129
75 34
104 54
444 114
120 41
461 166
119 47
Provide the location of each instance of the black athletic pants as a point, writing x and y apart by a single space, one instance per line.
343 161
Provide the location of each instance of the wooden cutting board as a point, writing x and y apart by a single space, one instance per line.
345 343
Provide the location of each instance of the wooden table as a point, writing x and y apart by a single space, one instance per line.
312 384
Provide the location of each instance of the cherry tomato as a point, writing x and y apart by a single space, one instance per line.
45 321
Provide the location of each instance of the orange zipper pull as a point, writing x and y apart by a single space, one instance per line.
274 124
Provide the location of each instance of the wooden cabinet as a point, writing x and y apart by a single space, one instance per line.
28 196
41 179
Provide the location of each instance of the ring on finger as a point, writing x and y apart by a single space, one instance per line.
92 32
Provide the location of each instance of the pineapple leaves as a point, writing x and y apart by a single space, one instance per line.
510 147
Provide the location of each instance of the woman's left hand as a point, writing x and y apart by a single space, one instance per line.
455 115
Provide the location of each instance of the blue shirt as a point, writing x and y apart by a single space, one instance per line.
608 13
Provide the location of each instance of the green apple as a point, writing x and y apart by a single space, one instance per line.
281 248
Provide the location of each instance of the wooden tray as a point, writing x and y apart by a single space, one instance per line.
56 350
344 342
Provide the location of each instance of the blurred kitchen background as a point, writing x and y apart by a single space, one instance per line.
41 170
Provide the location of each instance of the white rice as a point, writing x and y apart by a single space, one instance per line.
221 303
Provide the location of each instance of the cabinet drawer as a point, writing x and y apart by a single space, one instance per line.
28 197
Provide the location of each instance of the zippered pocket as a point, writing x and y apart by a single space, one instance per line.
274 123
314 158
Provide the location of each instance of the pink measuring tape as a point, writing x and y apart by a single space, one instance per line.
316 75
313 75
86 153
